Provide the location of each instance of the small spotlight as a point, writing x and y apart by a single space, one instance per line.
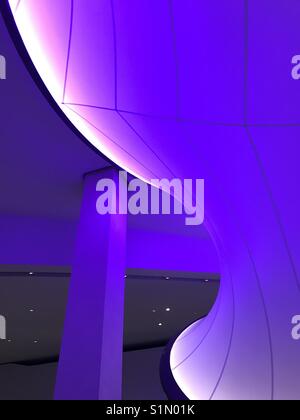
154 311
30 273
168 309
36 341
160 324
31 310
206 281
168 278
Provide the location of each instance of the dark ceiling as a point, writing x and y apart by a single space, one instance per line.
34 307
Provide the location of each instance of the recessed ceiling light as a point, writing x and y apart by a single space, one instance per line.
168 309
31 310
31 273
206 281
160 324
154 311
168 278
35 341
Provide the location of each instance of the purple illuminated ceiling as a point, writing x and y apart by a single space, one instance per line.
204 90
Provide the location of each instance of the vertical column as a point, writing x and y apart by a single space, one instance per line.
90 366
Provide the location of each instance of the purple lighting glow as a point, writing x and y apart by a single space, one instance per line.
201 90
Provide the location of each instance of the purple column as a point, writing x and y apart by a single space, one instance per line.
90 366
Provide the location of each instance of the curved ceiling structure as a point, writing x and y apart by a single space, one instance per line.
198 89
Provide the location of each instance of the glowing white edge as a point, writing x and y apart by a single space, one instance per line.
47 73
